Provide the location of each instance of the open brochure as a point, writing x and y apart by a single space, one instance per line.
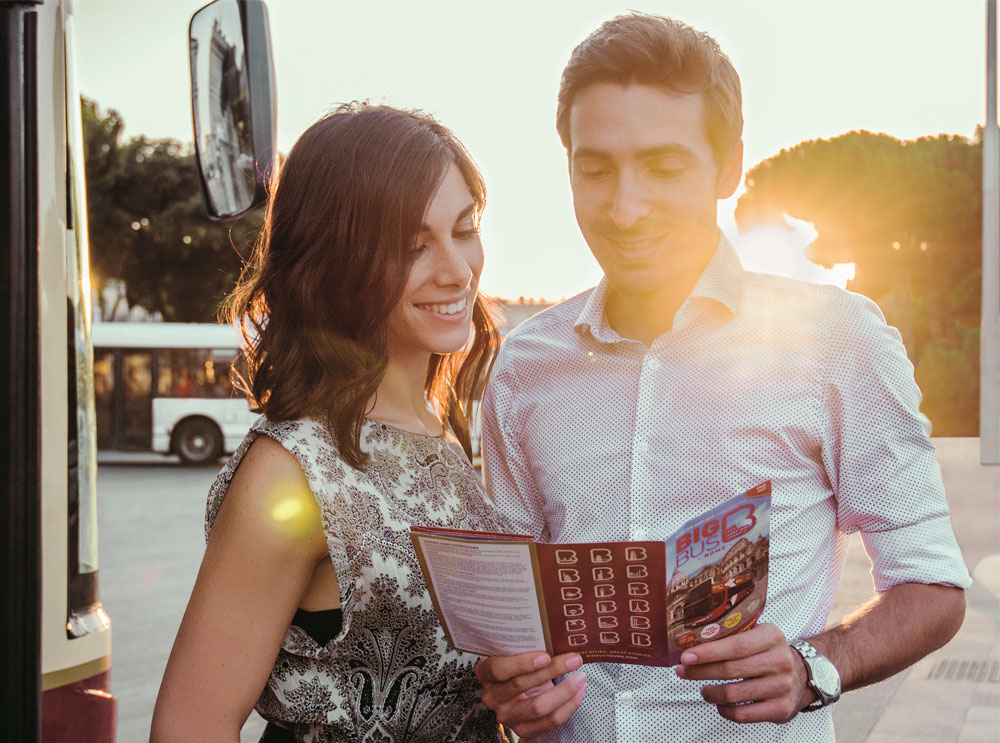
621 602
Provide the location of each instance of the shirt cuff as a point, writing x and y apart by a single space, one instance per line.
925 552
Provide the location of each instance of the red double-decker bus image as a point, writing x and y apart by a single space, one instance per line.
709 601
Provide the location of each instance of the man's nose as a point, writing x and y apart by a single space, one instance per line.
628 203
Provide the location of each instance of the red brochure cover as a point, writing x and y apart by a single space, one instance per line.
621 602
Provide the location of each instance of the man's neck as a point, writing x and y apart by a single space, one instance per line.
645 317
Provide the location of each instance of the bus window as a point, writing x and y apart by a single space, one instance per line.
193 372
167 387
137 397
104 391
179 372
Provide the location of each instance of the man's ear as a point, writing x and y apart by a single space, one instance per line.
730 173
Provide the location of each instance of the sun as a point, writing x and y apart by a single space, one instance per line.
781 250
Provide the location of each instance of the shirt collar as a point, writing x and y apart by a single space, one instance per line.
721 282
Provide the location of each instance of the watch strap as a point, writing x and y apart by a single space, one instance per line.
807 652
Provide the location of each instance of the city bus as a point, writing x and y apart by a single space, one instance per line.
708 601
166 387
55 637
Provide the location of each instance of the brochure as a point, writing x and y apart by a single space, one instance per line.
622 602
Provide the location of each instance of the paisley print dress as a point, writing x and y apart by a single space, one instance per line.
389 675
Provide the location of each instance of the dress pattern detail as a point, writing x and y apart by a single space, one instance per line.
389 676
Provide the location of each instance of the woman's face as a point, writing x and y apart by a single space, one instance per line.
434 315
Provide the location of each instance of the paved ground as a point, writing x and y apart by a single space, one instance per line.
952 695
152 541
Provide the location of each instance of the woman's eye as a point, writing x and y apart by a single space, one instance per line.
466 234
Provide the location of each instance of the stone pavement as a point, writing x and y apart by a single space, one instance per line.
952 695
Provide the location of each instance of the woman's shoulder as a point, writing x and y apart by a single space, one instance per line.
274 451
268 498
294 433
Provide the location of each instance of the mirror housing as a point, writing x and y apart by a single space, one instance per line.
233 105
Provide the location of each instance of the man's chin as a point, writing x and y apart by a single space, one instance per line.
638 280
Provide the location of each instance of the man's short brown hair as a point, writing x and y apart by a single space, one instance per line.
652 50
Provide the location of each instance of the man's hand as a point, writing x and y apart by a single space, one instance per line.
520 690
773 686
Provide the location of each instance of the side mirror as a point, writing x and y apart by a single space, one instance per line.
233 104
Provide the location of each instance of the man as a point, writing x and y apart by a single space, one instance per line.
681 380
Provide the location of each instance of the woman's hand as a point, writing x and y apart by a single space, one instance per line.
520 689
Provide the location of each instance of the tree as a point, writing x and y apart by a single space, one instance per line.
148 229
908 215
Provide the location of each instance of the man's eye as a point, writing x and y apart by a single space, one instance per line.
591 174
666 172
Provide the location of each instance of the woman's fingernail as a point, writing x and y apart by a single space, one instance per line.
679 670
542 660
689 658
580 679
574 661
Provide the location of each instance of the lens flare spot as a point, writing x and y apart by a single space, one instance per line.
287 509
149 577
293 510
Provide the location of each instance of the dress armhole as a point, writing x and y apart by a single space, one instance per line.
304 442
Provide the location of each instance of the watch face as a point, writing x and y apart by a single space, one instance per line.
825 676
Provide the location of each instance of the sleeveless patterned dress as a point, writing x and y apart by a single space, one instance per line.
389 675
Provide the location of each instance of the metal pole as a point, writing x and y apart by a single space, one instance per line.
989 339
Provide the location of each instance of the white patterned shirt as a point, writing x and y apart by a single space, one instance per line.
589 436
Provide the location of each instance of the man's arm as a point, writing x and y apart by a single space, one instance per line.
882 466
768 679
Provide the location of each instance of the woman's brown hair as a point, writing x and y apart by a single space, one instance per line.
331 263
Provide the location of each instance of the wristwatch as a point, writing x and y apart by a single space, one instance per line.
823 677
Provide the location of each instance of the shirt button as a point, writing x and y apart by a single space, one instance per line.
652 363
642 447
624 696
640 534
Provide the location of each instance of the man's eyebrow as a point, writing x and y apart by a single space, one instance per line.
663 150
666 150
424 227
589 152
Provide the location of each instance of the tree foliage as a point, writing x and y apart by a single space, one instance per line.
148 229
908 215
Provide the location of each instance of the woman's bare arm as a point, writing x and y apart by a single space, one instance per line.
263 548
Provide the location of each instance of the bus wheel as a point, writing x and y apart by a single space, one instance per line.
197 441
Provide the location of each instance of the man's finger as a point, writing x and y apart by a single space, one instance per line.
754 690
741 645
773 710
773 661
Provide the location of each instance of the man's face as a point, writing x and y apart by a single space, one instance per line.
645 184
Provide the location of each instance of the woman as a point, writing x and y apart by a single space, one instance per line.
357 309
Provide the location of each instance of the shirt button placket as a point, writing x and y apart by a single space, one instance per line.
648 367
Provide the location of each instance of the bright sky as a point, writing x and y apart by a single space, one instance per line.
490 70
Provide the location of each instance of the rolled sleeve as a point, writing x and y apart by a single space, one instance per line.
879 457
